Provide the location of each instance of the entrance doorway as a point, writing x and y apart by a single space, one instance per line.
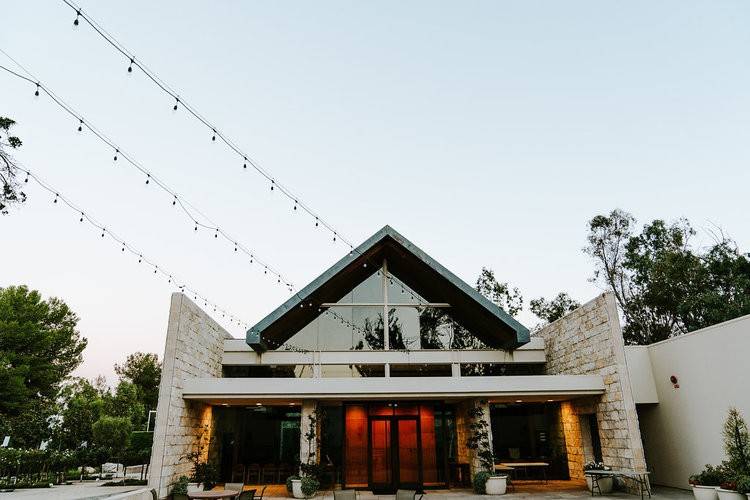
395 453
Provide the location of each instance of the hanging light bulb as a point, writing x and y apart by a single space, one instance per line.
148 178
244 165
117 151
251 259
176 102
174 202
56 195
316 222
196 226
26 180
81 219
235 246
36 92
272 183
80 125
123 246
130 67
295 205
216 234
170 279
140 258
75 21
334 236
156 268
213 137
103 231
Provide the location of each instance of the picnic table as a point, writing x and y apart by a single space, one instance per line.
213 494
511 466
639 477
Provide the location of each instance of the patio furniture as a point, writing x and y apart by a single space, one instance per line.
252 474
235 486
344 494
641 478
525 466
248 494
238 473
407 495
263 490
269 474
214 494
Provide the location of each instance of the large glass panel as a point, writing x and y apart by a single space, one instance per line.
501 369
331 444
355 446
247 438
421 370
341 329
352 371
268 371
429 429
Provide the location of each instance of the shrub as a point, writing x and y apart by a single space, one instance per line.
289 483
596 466
310 486
181 486
710 476
743 485
737 443
480 482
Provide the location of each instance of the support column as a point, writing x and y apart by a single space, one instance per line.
464 432
308 448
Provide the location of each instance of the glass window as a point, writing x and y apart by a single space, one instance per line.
500 369
345 371
268 371
415 370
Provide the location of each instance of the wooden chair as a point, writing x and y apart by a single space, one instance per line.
252 474
238 473
269 474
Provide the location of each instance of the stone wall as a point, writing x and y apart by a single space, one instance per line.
589 341
194 348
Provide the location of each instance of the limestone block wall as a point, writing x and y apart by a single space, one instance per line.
194 348
589 341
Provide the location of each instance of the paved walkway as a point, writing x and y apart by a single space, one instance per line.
89 490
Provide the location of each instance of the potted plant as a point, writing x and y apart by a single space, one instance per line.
706 482
485 481
180 489
728 491
605 483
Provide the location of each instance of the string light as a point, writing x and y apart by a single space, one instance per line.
188 209
75 21
130 67
36 92
81 219
176 102
56 196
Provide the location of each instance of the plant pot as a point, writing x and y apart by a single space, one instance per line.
605 484
496 485
195 487
297 488
730 495
705 492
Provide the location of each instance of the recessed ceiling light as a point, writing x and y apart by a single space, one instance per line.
550 400
519 400
224 404
258 404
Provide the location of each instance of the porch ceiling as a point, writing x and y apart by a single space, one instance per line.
504 388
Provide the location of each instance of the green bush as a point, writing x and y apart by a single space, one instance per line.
743 485
310 486
480 482
709 476
181 486
289 483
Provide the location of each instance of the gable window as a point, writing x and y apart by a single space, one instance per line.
383 313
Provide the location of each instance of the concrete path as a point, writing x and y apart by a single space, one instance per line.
88 490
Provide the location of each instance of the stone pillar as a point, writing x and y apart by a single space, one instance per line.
463 432
309 448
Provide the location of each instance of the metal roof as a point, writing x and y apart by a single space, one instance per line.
420 272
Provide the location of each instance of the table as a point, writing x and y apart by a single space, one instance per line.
526 466
213 494
639 477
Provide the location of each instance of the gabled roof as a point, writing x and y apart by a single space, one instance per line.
413 267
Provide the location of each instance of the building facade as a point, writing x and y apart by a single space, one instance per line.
374 373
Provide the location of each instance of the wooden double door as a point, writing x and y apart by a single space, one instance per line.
395 451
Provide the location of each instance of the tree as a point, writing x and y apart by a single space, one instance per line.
83 404
39 348
143 370
554 309
112 434
11 189
736 443
501 294
663 286
124 402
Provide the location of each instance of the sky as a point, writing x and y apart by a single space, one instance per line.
488 133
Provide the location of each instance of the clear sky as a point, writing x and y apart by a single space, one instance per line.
486 132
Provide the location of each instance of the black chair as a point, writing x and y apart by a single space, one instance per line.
248 494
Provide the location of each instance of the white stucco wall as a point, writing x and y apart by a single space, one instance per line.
641 375
682 432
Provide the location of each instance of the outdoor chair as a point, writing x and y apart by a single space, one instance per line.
252 474
345 495
270 471
407 495
263 490
238 473
248 494
235 486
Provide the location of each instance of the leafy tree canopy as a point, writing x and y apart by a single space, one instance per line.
11 192
552 310
112 434
663 285
39 348
143 370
